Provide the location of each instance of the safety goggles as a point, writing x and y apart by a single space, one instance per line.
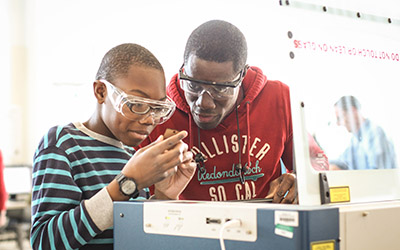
135 107
217 90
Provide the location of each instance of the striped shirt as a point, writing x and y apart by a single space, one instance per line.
71 164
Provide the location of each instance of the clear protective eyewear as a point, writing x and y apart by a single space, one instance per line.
218 91
133 106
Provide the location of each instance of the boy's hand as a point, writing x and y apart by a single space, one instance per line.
159 160
172 186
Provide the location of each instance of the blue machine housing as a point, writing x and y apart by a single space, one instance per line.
318 226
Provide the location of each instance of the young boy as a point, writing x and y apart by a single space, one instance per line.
79 169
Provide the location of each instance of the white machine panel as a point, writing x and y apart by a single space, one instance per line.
370 226
199 220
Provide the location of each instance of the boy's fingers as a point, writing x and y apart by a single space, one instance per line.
170 171
188 156
170 142
159 146
160 138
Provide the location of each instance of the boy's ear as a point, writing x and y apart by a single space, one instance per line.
100 91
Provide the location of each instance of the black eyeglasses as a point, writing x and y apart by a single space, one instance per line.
232 84
218 90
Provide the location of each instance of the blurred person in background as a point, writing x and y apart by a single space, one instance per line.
370 147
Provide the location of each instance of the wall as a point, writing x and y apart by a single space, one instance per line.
55 47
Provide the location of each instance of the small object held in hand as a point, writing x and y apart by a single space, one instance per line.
200 159
170 132
241 170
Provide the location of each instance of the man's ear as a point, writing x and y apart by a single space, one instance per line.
100 91
246 67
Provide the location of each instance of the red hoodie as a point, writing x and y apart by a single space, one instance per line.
265 124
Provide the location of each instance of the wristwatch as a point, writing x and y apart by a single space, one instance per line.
127 186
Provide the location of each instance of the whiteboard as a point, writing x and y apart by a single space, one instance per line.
334 52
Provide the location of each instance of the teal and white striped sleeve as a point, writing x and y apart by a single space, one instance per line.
60 219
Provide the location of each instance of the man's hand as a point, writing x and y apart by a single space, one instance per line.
283 189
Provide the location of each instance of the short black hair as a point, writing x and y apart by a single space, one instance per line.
117 61
218 41
347 102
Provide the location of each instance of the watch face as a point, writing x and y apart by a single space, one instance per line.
128 187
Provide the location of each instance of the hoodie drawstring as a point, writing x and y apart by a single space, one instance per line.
199 158
190 131
248 133
238 167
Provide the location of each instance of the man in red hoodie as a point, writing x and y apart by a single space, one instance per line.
239 123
